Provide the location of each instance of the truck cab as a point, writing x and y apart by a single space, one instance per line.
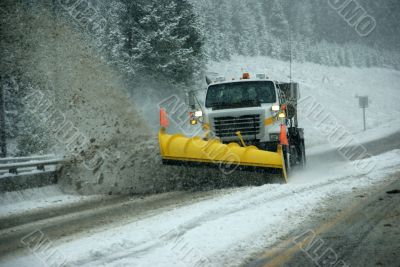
251 107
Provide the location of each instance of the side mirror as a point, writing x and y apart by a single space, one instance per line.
208 80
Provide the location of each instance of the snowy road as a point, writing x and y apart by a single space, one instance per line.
216 228
352 229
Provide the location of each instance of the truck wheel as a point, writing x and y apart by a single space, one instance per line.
287 158
269 146
303 159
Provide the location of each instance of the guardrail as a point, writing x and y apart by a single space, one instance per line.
28 164
23 159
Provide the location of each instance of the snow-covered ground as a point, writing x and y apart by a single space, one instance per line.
18 202
221 231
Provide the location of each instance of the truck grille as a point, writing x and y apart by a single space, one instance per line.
228 126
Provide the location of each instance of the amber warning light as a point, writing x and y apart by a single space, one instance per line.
246 76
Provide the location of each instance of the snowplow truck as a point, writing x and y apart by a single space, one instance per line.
246 124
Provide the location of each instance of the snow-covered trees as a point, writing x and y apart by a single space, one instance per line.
25 131
115 39
318 33
169 41
12 104
166 37
155 37
277 20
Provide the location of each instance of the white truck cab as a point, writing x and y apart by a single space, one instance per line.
247 106
251 107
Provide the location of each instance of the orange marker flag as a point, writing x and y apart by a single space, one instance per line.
283 136
164 122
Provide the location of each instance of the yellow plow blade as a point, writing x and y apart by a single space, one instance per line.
180 149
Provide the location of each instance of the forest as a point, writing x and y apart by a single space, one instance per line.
312 30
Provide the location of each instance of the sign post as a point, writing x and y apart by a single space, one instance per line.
364 104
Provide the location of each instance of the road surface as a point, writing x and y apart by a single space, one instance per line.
359 229
332 202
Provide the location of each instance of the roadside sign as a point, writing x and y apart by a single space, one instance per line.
364 104
364 101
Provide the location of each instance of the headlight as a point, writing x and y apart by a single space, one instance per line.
276 108
198 114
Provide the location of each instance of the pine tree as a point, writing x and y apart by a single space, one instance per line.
302 22
324 57
163 38
213 32
262 31
225 30
12 101
239 41
277 20
279 30
115 39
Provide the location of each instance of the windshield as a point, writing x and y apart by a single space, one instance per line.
240 94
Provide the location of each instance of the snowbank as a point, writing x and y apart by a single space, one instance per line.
19 202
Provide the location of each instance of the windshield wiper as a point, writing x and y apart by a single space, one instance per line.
254 102
247 103
218 104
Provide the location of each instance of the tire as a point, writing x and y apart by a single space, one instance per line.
288 165
302 156
269 146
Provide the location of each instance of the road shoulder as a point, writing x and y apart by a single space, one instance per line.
360 228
